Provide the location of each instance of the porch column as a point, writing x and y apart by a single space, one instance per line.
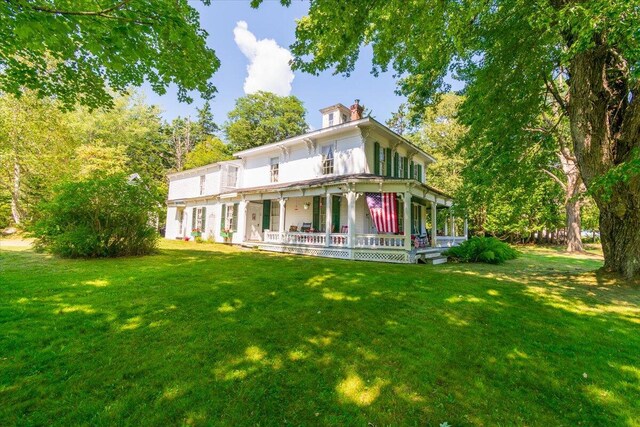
407 221
283 203
351 217
242 221
453 226
434 224
466 229
328 219
446 225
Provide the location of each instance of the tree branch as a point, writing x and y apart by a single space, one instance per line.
555 178
553 89
102 12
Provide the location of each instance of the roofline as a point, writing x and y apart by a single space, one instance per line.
208 166
405 140
313 134
313 183
331 107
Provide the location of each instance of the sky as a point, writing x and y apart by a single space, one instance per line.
252 45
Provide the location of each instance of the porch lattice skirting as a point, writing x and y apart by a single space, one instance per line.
378 255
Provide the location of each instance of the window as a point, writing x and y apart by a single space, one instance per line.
417 223
327 160
275 216
383 161
400 203
202 182
401 168
322 214
344 118
231 217
180 219
232 176
275 167
330 119
417 172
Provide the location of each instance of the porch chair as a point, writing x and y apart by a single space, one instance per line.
293 228
344 229
306 227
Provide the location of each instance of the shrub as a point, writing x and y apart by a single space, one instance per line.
99 217
482 249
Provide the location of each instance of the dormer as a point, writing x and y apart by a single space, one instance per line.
335 115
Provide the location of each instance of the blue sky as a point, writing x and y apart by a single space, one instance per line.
273 21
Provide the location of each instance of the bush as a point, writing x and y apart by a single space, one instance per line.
482 249
99 217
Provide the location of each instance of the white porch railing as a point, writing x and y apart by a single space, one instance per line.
448 241
373 241
340 240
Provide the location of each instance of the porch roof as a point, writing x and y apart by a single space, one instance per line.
333 180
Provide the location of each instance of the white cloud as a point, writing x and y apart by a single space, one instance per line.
268 67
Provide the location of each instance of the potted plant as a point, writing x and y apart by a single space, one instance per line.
227 234
196 232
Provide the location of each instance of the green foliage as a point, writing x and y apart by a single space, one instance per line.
74 50
208 151
99 217
482 249
262 118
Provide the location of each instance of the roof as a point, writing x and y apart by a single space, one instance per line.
315 182
333 107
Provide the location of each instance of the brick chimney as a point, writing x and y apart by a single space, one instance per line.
356 110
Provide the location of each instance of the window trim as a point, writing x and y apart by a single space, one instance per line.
274 169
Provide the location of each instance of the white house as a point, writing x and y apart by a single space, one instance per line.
320 194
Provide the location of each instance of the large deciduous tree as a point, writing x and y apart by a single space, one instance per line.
75 50
264 117
510 53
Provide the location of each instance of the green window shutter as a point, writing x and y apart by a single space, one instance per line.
387 157
204 218
194 213
405 161
234 227
376 158
411 170
335 214
266 214
396 165
316 213
420 173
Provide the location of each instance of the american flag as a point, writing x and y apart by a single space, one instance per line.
384 211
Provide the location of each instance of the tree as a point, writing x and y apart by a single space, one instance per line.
207 126
209 151
263 117
99 217
75 50
510 53
35 144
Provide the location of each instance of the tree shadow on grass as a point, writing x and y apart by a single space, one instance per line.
228 337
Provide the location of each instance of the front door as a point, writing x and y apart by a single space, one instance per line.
254 222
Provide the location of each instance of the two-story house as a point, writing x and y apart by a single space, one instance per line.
353 189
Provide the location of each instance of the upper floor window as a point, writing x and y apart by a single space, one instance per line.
327 160
401 168
330 119
202 183
344 118
275 169
383 161
232 176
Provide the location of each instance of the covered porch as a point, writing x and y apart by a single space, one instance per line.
333 220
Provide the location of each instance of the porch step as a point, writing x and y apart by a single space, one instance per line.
437 260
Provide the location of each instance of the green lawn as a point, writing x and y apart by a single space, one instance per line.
209 334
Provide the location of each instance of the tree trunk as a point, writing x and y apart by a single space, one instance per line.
574 239
605 127
15 195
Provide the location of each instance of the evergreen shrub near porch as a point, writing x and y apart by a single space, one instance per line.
99 217
482 249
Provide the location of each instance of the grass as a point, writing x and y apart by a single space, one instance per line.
210 334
